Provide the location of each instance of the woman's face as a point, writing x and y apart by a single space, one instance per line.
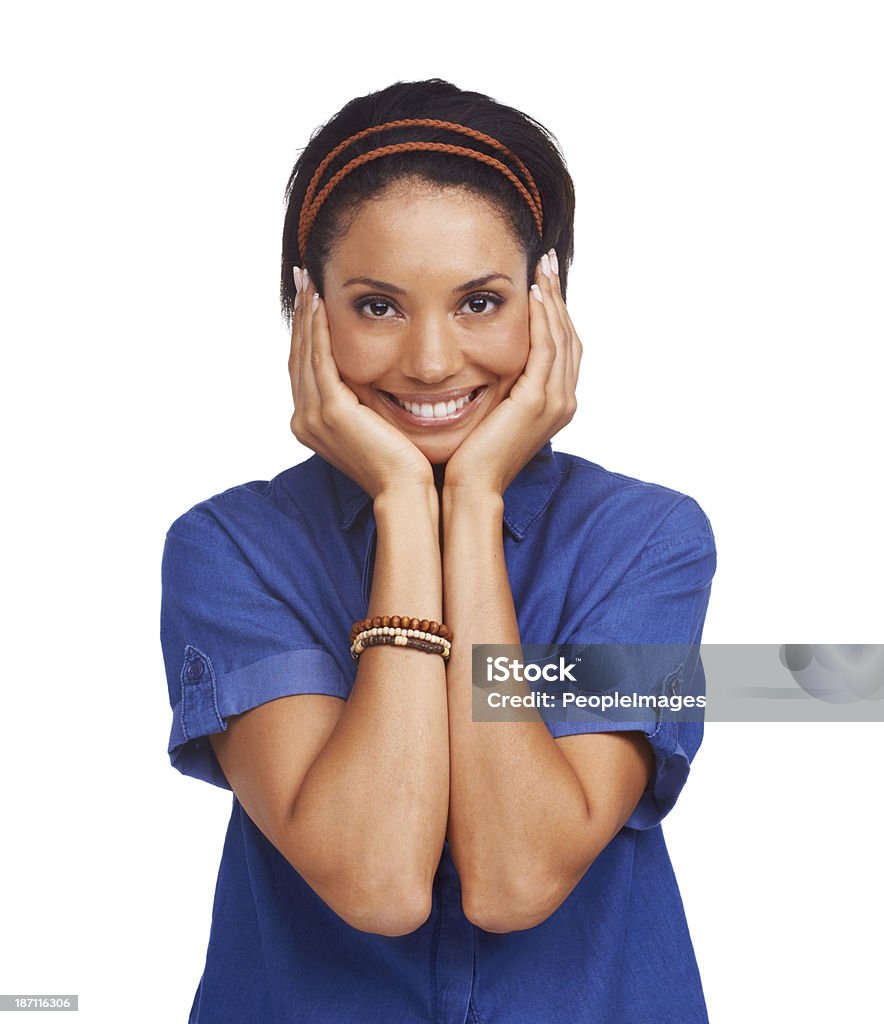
427 303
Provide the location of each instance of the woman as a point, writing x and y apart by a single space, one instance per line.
388 858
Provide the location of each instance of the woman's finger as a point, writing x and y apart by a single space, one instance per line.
307 386
562 313
295 347
325 369
573 346
542 349
556 384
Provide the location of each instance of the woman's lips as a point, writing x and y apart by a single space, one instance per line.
426 413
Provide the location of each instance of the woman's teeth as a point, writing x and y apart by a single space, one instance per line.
427 410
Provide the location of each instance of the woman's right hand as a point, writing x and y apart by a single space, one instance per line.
331 420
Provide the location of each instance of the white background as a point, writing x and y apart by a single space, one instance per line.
727 288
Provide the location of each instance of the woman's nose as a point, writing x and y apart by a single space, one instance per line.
430 350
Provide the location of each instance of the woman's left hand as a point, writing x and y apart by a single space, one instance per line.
540 403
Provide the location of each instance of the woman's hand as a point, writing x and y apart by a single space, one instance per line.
330 419
540 403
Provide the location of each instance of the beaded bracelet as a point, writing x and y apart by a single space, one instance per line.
398 641
403 634
401 638
402 622
401 631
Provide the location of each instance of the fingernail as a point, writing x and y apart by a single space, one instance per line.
314 302
544 265
537 293
296 274
305 279
554 260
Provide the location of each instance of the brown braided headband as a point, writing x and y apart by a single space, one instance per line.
313 200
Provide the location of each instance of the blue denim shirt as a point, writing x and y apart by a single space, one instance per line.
260 587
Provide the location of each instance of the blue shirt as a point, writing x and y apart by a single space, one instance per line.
261 585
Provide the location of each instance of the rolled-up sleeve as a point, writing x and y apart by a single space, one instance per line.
661 600
229 642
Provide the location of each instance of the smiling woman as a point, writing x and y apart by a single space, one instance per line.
388 858
418 331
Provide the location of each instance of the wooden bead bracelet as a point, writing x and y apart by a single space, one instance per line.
401 631
401 638
401 622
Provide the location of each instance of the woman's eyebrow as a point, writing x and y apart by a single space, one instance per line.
385 286
373 282
477 282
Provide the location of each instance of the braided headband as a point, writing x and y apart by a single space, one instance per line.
313 200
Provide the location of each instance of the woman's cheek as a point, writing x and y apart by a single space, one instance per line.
503 351
356 359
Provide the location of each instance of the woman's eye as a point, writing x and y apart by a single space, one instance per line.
383 309
377 309
482 303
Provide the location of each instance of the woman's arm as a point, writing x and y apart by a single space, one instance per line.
354 793
524 822
368 821
357 802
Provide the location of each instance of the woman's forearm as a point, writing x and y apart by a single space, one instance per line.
518 819
372 809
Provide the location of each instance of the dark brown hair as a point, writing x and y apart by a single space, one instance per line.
441 101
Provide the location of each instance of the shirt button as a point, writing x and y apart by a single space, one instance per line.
195 670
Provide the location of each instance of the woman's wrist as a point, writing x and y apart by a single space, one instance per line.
474 501
407 577
406 504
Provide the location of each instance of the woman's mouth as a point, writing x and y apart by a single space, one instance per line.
440 413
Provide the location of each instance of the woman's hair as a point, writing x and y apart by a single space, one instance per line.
526 139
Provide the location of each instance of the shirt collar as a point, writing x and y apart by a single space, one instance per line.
523 502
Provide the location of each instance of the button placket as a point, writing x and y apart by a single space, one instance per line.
199 698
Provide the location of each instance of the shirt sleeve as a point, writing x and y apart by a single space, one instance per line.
229 643
661 599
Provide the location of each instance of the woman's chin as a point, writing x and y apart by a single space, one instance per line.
437 446
436 453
